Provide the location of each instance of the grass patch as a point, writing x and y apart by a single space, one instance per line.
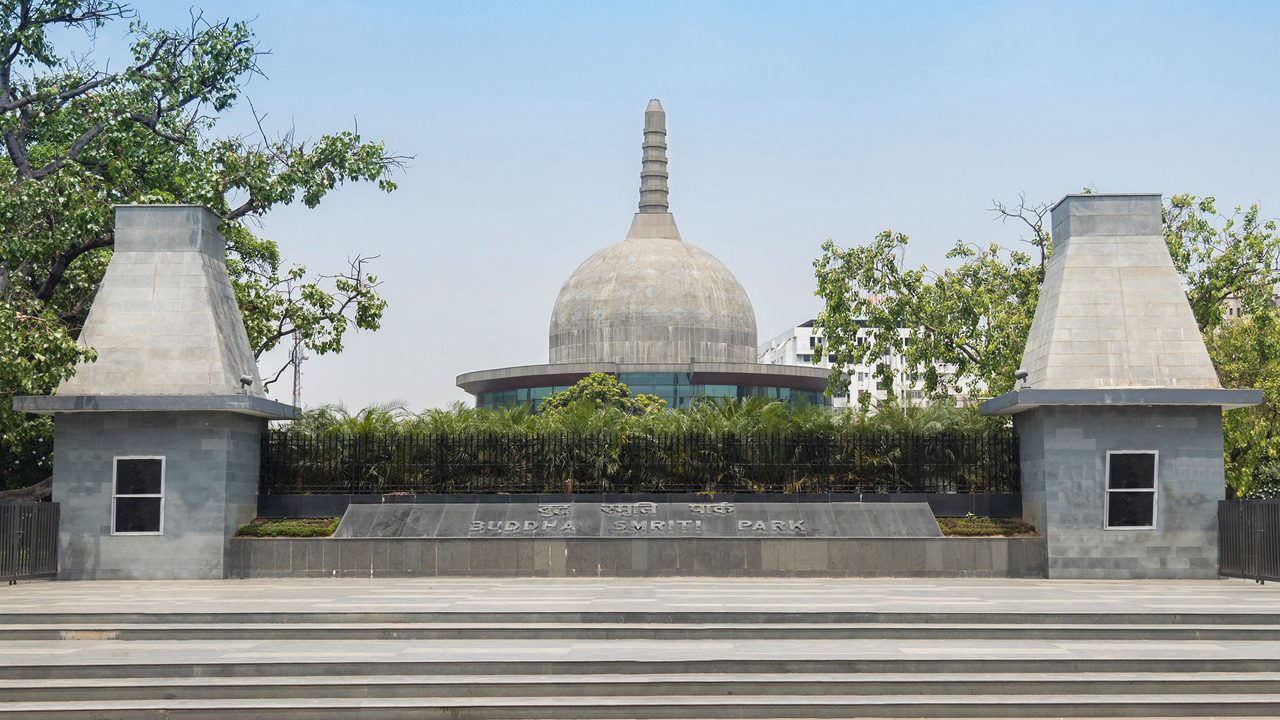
974 526
290 527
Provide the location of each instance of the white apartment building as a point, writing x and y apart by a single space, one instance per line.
800 344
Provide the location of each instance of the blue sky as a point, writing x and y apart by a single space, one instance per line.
789 123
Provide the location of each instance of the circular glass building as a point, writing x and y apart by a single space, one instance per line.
666 317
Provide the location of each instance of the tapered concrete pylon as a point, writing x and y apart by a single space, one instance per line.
165 320
1112 311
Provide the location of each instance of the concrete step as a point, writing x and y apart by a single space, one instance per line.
670 706
745 617
610 631
563 666
713 685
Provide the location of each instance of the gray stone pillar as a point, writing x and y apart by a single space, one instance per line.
156 443
1120 414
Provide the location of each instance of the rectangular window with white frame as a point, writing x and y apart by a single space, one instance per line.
1131 490
137 496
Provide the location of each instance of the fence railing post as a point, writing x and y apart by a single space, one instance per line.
798 462
1248 539
28 540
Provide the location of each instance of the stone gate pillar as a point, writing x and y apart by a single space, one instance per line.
156 443
1120 413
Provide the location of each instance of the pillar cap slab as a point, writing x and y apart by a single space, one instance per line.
242 404
1016 401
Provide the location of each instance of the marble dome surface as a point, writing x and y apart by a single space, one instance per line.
652 298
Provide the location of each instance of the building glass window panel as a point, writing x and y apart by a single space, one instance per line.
1131 489
1131 510
137 498
675 389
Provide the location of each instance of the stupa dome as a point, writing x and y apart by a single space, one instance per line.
652 298
663 316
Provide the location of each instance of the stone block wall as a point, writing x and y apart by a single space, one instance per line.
1064 454
210 490
628 557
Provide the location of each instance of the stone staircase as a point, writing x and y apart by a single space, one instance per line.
736 663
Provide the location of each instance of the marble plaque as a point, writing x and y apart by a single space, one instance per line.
640 519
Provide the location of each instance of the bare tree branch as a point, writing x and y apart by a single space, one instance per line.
72 153
281 331
275 378
1032 216
78 313
63 262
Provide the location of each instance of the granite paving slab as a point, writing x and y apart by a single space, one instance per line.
888 595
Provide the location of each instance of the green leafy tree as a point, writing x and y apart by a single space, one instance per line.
1246 353
599 391
973 318
1223 256
79 139
1236 257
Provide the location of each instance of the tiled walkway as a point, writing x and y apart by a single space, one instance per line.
649 595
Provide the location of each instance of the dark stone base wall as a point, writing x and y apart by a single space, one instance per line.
1064 471
942 504
211 473
622 557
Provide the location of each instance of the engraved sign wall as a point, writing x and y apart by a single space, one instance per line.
639 519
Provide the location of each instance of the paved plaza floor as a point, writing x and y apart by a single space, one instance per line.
881 595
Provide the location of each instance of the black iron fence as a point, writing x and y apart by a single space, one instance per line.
28 540
297 463
1249 539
